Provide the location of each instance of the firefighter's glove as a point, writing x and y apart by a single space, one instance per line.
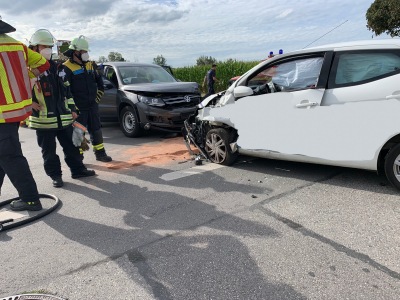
99 95
85 144
78 135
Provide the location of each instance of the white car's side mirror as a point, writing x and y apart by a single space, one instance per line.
242 91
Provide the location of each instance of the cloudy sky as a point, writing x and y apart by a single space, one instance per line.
184 30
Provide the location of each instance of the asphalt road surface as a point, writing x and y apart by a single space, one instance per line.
153 225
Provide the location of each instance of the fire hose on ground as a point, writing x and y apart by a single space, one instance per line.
9 223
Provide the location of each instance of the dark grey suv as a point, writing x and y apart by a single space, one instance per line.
145 96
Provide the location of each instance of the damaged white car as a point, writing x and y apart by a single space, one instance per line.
336 105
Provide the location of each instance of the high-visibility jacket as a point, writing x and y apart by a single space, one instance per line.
85 83
56 103
15 87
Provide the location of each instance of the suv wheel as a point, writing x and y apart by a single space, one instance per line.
392 166
217 147
129 122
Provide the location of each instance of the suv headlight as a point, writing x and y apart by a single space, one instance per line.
153 101
131 96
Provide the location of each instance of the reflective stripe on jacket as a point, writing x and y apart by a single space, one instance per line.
51 94
84 82
15 88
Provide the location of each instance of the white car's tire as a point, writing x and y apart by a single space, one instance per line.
217 147
392 166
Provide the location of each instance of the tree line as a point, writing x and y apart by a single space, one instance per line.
159 60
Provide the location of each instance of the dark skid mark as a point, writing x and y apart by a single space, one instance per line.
366 270
289 222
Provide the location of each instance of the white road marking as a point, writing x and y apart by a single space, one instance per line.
8 214
192 171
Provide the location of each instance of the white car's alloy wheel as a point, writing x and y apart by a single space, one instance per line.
217 147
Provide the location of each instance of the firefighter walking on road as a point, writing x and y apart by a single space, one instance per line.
16 106
53 114
87 88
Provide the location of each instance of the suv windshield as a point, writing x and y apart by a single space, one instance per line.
144 74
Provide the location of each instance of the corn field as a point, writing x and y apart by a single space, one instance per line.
225 71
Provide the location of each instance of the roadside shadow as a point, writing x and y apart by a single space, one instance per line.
153 175
267 168
199 259
152 210
4 237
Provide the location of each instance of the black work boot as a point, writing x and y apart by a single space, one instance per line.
18 205
58 182
102 156
83 173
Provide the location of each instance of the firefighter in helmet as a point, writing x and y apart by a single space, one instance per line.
87 88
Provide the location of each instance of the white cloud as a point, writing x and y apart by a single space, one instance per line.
183 30
285 13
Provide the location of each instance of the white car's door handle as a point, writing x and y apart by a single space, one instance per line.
306 104
396 96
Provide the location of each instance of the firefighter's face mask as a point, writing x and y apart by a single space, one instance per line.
83 56
45 52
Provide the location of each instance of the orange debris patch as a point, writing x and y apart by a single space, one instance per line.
159 153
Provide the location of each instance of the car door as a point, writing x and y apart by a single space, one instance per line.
282 117
108 104
363 95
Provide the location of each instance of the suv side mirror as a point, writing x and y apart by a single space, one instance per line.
107 84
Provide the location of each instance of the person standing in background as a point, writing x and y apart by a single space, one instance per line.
210 78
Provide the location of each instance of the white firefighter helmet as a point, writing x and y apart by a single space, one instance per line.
42 37
79 44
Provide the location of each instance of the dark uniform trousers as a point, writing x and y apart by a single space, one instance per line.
211 90
47 141
14 164
91 120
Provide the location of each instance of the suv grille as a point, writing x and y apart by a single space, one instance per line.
182 100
